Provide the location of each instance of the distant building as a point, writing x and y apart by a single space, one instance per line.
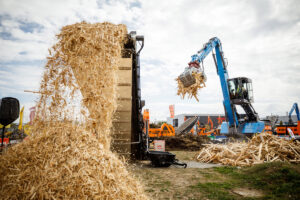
284 119
217 119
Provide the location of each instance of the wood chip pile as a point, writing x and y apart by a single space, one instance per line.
261 148
192 90
68 154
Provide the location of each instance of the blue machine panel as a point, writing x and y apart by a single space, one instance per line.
224 128
249 127
253 127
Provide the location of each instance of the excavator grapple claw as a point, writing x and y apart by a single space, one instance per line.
187 78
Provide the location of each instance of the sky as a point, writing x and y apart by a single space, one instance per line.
260 39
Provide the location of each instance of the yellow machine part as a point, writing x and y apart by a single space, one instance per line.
21 119
27 129
7 133
8 126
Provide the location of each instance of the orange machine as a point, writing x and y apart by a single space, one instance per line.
209 121
268 129
203 132
282 129
221 119
208 129
166 130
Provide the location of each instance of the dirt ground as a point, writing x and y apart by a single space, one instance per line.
185 142
216 182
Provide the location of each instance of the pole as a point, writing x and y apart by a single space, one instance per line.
147 136
3 129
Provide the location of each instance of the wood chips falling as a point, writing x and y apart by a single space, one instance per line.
192 90
261 148
68 153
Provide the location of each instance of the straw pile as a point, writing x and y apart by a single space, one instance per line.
68 155
192 90
261 148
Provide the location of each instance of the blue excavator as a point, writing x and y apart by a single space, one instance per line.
236 92
296 109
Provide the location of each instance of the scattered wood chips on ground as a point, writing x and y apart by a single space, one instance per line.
68 153
261 148
192 90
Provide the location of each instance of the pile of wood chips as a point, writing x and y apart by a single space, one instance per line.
68 153
192 90
261 148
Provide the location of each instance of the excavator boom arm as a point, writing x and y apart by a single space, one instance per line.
296 109
215 43
208 47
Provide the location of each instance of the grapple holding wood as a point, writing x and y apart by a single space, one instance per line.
187 78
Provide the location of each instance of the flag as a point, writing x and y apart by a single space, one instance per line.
32 114
172 110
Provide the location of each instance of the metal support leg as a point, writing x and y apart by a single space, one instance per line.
147 136
3 129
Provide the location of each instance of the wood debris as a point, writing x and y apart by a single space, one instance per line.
68 153
192 90
261 148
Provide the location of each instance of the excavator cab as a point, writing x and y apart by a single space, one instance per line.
241 94
240 90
